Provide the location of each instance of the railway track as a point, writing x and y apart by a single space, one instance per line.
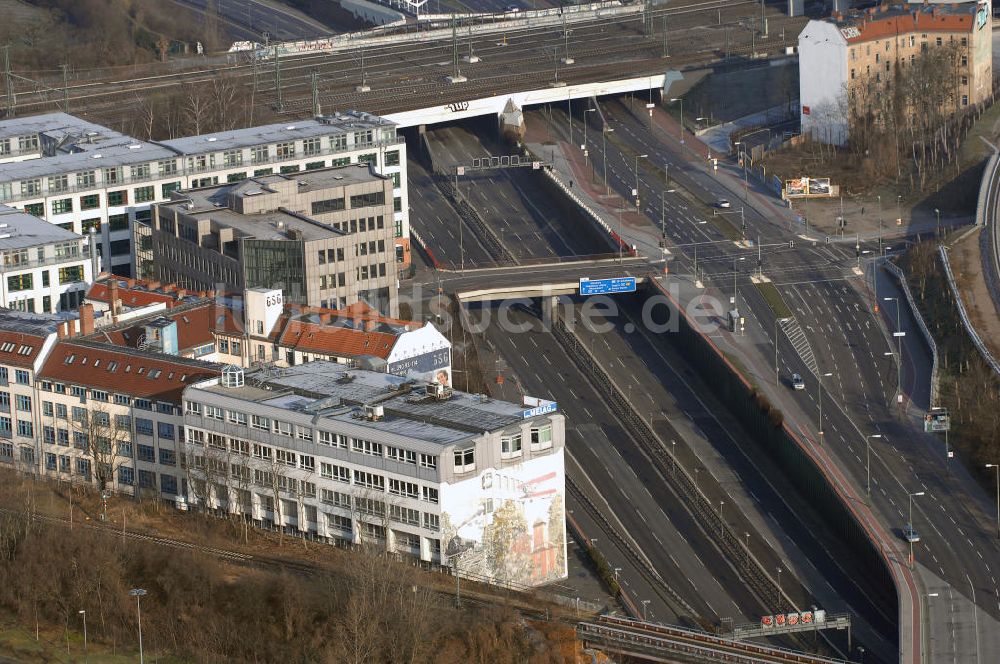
653 641
518 60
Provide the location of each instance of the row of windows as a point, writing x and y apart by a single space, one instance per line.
260 154
72 274
279 427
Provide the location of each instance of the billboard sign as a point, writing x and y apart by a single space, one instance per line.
767 622
433 366
982 15
542 408
937 420
607 286
797 187
819 186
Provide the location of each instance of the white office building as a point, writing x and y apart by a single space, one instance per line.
373 458
45 268
79 175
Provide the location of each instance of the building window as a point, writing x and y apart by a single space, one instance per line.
404 489
259 154
428 461
429 494
167 457
432 521
315 165
118 222
165 430
144 194
144 426
285 150
311 146
263 171
83 468
510 446
541 437
119 197
23 403
465 460
401 455
22 377
965 60
71 275
35 209
25 428
965 100
329 205
366 447
169 188
168 484
62 206
31 187
19 282
232 158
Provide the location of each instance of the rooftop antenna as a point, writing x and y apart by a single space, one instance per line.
8 81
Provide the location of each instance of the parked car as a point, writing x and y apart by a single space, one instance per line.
797 382
723 203
910 534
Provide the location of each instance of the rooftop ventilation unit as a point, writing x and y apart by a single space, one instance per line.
374 413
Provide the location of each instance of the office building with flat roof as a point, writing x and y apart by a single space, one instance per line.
377 459
323 237
82 176
45 268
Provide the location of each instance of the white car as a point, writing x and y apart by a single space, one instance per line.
723 203
910 534
797 382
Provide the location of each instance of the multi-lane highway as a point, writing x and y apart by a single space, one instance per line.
252 19
958 551
513 202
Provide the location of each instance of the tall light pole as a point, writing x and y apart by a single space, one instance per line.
605 130
899 334
83 612
645 603
868 463
938 213
776 321
637 158
820 429
138 593
911 496
585 151
996 467
680 132
663 215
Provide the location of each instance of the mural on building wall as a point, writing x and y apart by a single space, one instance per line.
509 524
432 367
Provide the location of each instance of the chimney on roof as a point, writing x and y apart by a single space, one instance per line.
115 302
86 319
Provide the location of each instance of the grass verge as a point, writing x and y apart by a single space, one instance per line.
774 300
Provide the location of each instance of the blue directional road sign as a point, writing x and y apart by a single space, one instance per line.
607 286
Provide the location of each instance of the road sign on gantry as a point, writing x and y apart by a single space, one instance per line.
607 286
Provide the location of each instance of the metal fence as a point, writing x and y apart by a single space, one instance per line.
897 272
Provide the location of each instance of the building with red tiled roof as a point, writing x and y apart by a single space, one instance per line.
846 61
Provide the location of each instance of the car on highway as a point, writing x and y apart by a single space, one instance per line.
797 382
723 203
513 9
910 534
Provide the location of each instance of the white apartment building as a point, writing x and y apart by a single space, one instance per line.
102 410
45 268
82 176
373 458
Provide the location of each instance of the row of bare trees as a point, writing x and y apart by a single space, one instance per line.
366 609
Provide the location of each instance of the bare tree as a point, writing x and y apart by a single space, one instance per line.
107 439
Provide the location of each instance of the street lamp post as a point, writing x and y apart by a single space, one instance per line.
585 151
996 467
138 593
605 130
899 334
83 612
778 604
868 463
820 429
680 131
911 496
663 214
645 603
637 158
776 321
937 212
